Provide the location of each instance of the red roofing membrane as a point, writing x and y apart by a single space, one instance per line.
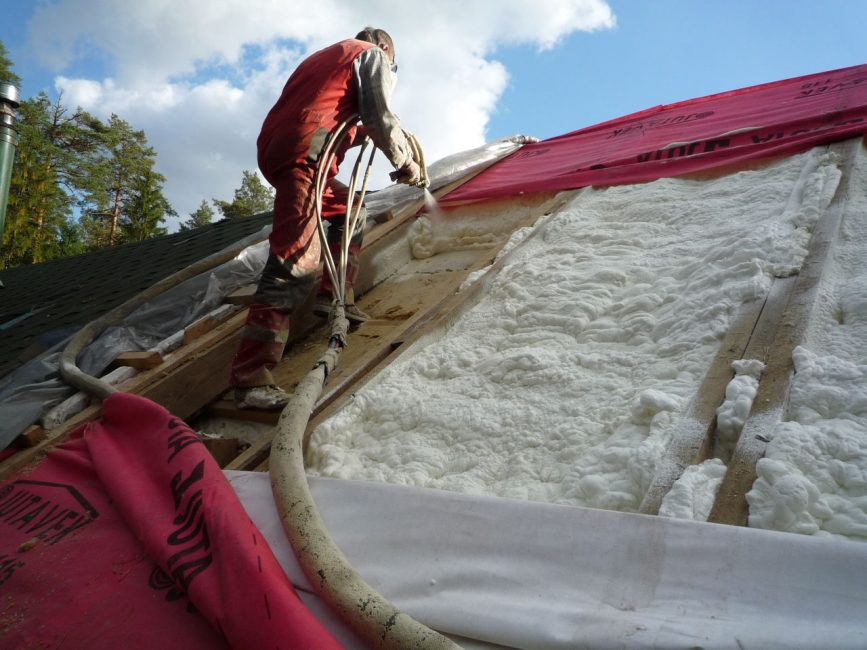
773 119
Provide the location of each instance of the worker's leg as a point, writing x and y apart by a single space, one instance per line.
286 281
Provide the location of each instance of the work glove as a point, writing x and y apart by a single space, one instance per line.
409 174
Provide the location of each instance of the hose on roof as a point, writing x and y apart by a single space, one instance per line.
376 620
370 615
69 369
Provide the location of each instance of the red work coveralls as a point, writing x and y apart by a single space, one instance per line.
318 96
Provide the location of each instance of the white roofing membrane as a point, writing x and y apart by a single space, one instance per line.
559 387
518 574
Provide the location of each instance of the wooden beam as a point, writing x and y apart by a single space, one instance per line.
140 360
242 296
693 430
442 305
202 372
198 329
730 505
184 383
207 322
222 449
31 437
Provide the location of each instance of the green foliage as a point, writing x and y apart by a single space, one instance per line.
145 209
71 240
121 198
68 163
6 73
39 210
203 215
253 197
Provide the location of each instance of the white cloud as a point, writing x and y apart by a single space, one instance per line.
199 76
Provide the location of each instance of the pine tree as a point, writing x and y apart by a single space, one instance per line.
6 73
67 159
121 173
146 208
39 209
253 197
71 240
203 215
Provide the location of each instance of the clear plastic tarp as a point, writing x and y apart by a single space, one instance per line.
33 389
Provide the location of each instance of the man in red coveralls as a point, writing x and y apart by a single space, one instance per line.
350 78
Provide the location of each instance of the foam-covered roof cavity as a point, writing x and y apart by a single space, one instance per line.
562 382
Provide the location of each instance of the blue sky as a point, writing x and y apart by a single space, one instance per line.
199 76
672 50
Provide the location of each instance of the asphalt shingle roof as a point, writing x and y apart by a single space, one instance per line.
40 304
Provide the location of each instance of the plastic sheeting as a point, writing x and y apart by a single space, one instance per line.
773 119
446 170
530 575
33 389
129 536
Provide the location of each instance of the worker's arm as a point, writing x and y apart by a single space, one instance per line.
375 83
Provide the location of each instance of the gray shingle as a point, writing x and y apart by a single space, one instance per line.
60 296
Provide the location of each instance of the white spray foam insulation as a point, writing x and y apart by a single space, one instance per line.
562 382
813 478
734 411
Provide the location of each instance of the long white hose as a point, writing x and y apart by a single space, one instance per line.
354 205
372 617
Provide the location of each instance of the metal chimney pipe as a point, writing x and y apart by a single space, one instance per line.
9 101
